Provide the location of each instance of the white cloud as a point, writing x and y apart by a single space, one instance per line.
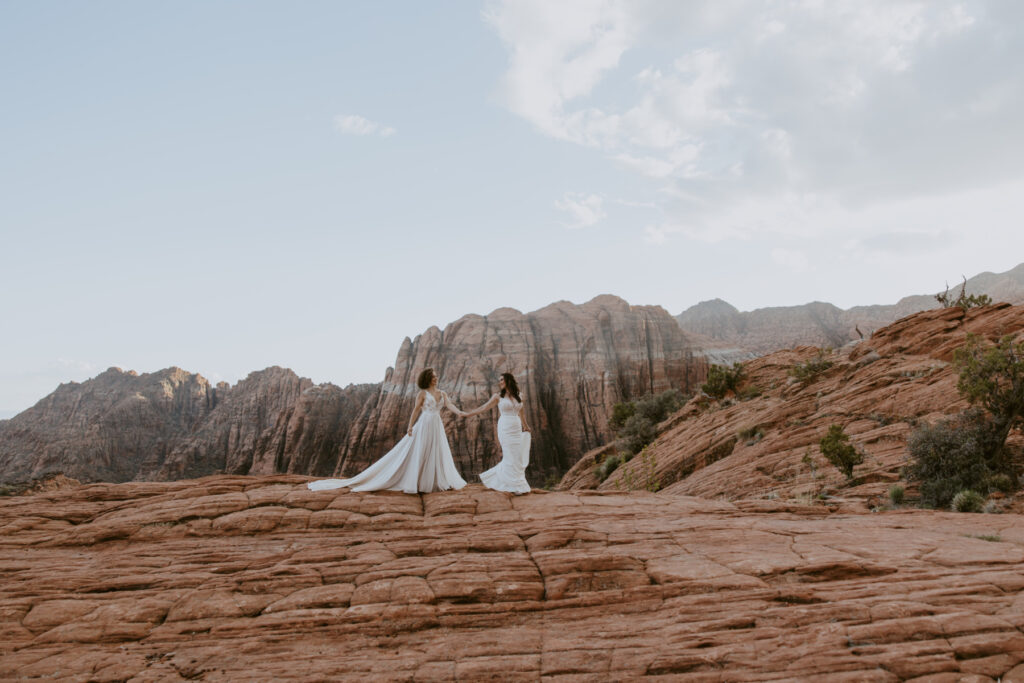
783 118
353 124
584 210
558 52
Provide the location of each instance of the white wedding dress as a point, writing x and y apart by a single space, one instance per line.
510 473
420 463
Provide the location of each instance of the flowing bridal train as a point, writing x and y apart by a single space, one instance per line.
421 462
510 473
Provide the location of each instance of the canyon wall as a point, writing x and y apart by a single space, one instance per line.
573 363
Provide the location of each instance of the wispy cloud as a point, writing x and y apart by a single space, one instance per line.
731 109
584 209
353 124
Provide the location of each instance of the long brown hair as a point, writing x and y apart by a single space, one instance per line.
510 386
423 381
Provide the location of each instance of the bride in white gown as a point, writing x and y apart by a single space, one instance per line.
421 461
513 436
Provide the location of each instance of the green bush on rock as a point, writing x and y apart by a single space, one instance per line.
811 368
838 450
722 379
634 422
968 451
960 452
968 501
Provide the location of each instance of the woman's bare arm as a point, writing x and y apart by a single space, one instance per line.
451 406
493 400
415 412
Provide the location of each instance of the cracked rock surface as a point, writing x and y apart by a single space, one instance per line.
257 578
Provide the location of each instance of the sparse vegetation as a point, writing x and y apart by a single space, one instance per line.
992 376
750 435
957 453
647 478
838 450
748 392
1002 483
896 494
993 538
634 421
968 501
604 469
807 460
722 379
812 367
968 451
963 300
552 481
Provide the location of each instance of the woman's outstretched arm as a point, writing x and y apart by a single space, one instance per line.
415 412
493 400
451 406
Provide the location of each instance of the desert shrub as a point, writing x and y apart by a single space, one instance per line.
896 494
634 421
722 379
635 434
750 435
957 453
646 479
812 367
1001 482
992 376
620 413
657 407
748 392
838 450
606 467
968 451
552 481
964 300
968 501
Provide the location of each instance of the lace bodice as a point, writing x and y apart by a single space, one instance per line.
508 406
431 404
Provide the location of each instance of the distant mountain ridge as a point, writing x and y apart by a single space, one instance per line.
764 330
573 363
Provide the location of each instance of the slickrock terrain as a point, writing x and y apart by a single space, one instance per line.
259 579
765 330
573 364
767 446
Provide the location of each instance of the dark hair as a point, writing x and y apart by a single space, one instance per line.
510 386
423 381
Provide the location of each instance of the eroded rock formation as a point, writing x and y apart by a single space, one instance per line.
574 362
117 426
256 578
767 446
765 330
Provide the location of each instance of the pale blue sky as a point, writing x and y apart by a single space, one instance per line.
225 186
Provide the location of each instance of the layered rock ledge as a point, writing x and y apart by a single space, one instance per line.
257 578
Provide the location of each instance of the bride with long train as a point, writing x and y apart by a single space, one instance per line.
422 461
